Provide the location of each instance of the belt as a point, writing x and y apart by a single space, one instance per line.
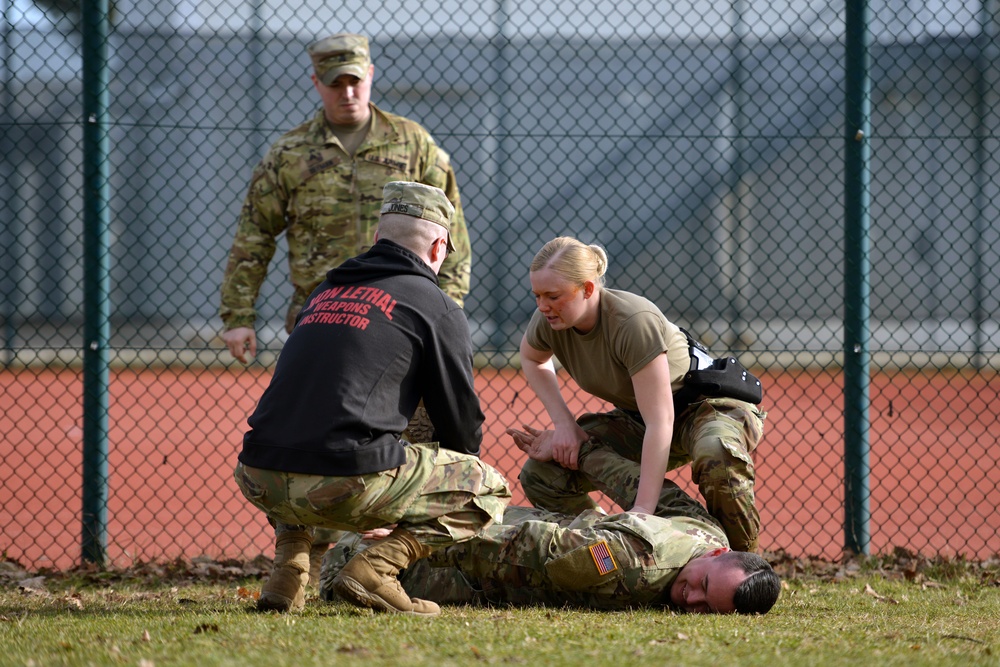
682 401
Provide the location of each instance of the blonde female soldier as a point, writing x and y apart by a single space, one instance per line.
621 348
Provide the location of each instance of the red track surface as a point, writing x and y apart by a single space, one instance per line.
174 437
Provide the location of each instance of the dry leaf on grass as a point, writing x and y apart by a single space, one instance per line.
881 598
244 593
72 601
351 649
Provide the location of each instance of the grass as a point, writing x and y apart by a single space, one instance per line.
865 620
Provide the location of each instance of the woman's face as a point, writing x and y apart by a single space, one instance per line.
565 305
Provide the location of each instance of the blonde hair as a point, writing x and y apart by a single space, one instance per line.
574 260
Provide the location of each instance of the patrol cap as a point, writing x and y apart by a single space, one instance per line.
421 201
338 54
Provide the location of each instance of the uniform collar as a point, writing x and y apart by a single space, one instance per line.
382 131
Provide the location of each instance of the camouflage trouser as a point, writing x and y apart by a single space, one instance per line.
441 497
327 535
715 436
536 557
420 429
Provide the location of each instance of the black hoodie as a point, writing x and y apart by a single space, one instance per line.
372 340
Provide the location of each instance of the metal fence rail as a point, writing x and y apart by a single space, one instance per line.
705 148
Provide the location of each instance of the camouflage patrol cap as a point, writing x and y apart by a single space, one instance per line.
421 201
338 54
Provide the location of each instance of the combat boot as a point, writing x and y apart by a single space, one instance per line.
286 589
316 553
370 578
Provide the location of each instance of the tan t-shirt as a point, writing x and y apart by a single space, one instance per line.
631 331
351 136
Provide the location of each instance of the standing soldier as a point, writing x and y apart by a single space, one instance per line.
321 184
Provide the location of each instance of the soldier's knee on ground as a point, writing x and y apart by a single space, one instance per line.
723 469
729 496
742 529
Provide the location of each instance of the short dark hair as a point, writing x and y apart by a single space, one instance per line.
760 590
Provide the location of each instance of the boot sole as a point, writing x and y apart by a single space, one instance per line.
273 602
354 592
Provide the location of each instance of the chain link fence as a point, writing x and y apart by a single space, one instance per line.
701 143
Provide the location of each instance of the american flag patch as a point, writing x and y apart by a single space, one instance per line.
603 559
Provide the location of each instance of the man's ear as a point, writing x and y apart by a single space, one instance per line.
715 552
438 249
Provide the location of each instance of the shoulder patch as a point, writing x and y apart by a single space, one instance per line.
603 559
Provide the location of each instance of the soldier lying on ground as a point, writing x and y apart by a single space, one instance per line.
678 558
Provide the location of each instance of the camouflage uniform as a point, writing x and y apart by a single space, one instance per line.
328 203
420 429
537 557
440 496
715 436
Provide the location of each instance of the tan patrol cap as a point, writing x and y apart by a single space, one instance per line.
338 54
421 201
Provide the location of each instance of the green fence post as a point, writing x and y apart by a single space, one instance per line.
736 224
506 235
985 47
95 281
8 196
856 279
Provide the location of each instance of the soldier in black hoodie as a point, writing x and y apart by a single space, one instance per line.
324 449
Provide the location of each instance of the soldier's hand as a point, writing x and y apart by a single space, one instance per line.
240 341
566 441
377 533
521 439
533 442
